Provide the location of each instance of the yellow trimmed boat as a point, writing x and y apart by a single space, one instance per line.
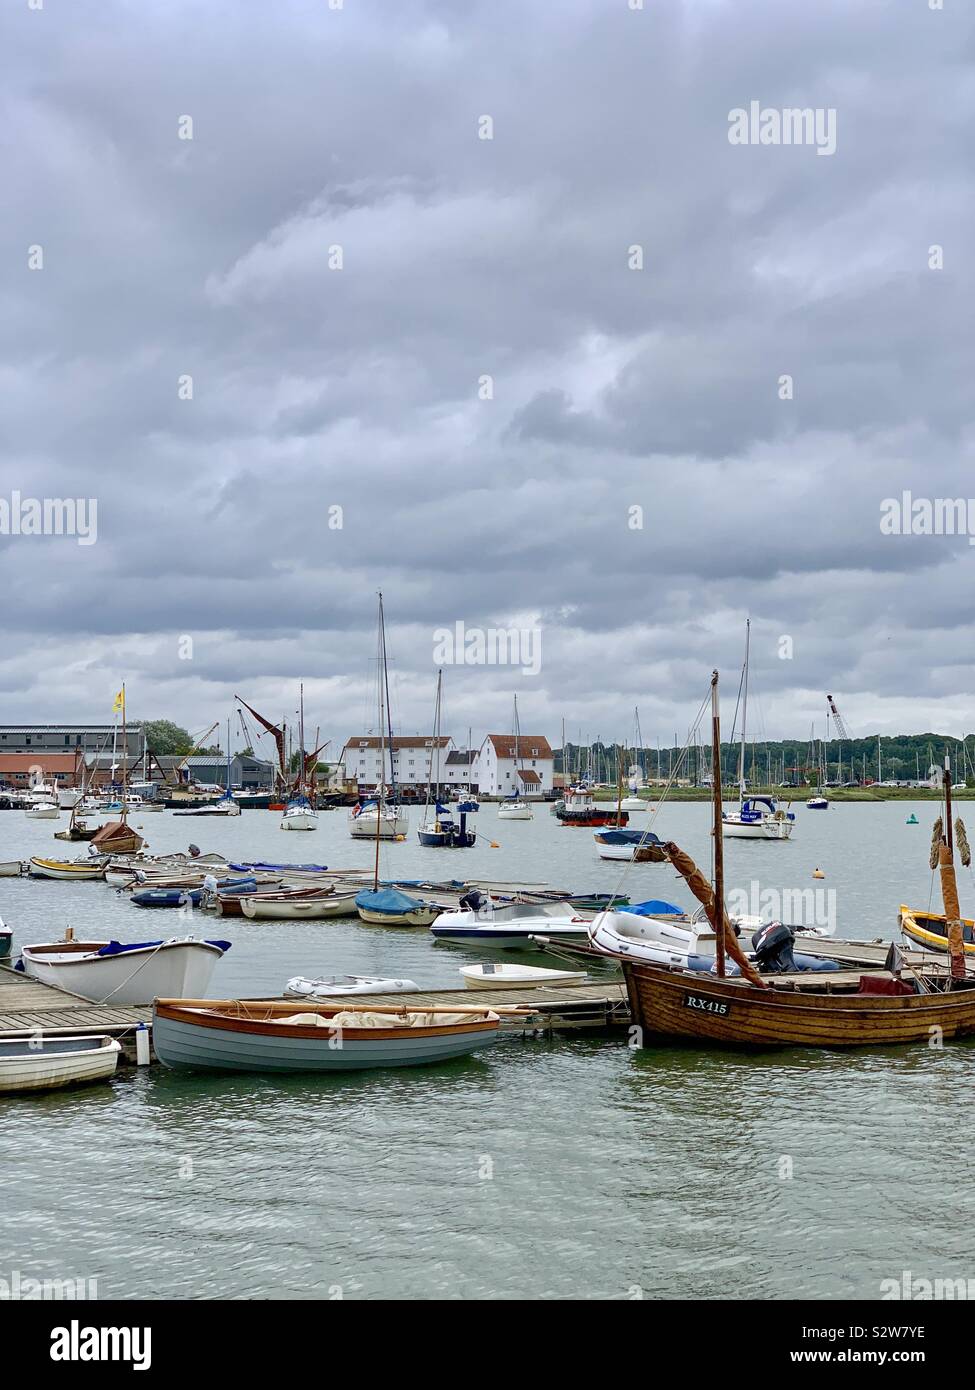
930 930
64 868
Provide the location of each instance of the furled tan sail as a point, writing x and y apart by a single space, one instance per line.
701 889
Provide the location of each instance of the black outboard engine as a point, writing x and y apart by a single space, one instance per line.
772 945
474 900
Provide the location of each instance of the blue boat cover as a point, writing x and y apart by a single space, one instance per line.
629 837
389 900
305 868
116 948
654 907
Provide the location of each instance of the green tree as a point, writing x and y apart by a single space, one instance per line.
164 737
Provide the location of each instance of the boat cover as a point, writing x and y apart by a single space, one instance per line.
267 868
116 948
654 907
349 1018
389 900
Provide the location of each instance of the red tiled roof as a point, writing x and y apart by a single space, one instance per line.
530 777
529 745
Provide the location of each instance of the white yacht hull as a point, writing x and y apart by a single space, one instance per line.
768 828
515 812
298 820
393 825
43 811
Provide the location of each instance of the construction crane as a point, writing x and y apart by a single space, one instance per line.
841 729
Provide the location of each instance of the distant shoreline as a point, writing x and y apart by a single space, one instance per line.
802 794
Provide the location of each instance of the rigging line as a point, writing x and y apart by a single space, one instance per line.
678 764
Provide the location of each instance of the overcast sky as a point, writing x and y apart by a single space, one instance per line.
464 258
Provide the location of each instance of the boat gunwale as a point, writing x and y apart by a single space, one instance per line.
224 1021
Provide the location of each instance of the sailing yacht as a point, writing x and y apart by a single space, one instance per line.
513 807
299 814
376 819
757 817
439 829
636 779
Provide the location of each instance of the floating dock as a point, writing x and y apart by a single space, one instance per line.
28 1006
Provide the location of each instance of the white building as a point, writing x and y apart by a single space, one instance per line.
497 771
409 762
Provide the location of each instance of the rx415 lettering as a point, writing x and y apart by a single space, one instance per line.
707 1006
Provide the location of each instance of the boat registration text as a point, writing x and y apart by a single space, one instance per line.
708 1006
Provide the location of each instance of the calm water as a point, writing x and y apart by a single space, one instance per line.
565 1169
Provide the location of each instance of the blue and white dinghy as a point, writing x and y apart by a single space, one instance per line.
124 973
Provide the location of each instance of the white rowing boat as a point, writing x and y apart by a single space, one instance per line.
110 972
491 976
40 1063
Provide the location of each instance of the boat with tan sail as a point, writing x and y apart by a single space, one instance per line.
850 1008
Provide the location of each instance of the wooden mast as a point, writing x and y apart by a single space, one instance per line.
381 789
718 836
125 762
949 887
744 713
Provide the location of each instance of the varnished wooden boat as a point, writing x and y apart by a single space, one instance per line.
847 1009
255 1036
825 1011
116 837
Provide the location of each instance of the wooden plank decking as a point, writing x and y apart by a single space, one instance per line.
28 1005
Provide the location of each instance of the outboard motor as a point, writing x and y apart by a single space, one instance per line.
772 945
474 900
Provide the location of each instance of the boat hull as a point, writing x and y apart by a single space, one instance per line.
43 812
766 829
11 868
418 917
671 1004
243 1045
47 1064
518 977
299 820
929 930
342 905
392 826
133 977
515 813
53 868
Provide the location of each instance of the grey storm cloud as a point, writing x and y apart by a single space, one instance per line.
465 259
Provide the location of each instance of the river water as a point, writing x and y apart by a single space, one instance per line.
565 1169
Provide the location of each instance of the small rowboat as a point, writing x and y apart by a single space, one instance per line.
177 897
312 903
237 1035
45 1063
491 976
108 971
929 930
389 907
65 869
300 987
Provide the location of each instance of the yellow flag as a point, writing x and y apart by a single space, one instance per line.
119 702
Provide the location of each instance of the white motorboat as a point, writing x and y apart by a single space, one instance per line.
393 824
490 975
45 1063
633 803
11 868
111 972
68 797
818 802
328 986
515 809
43 810
510 927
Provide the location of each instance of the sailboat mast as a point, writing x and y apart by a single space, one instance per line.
744 712
718 837
381 789
125 760
949 886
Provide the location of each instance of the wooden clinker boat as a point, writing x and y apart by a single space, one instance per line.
839 1010
929 930
301 903
116 837
285 1036
65 869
